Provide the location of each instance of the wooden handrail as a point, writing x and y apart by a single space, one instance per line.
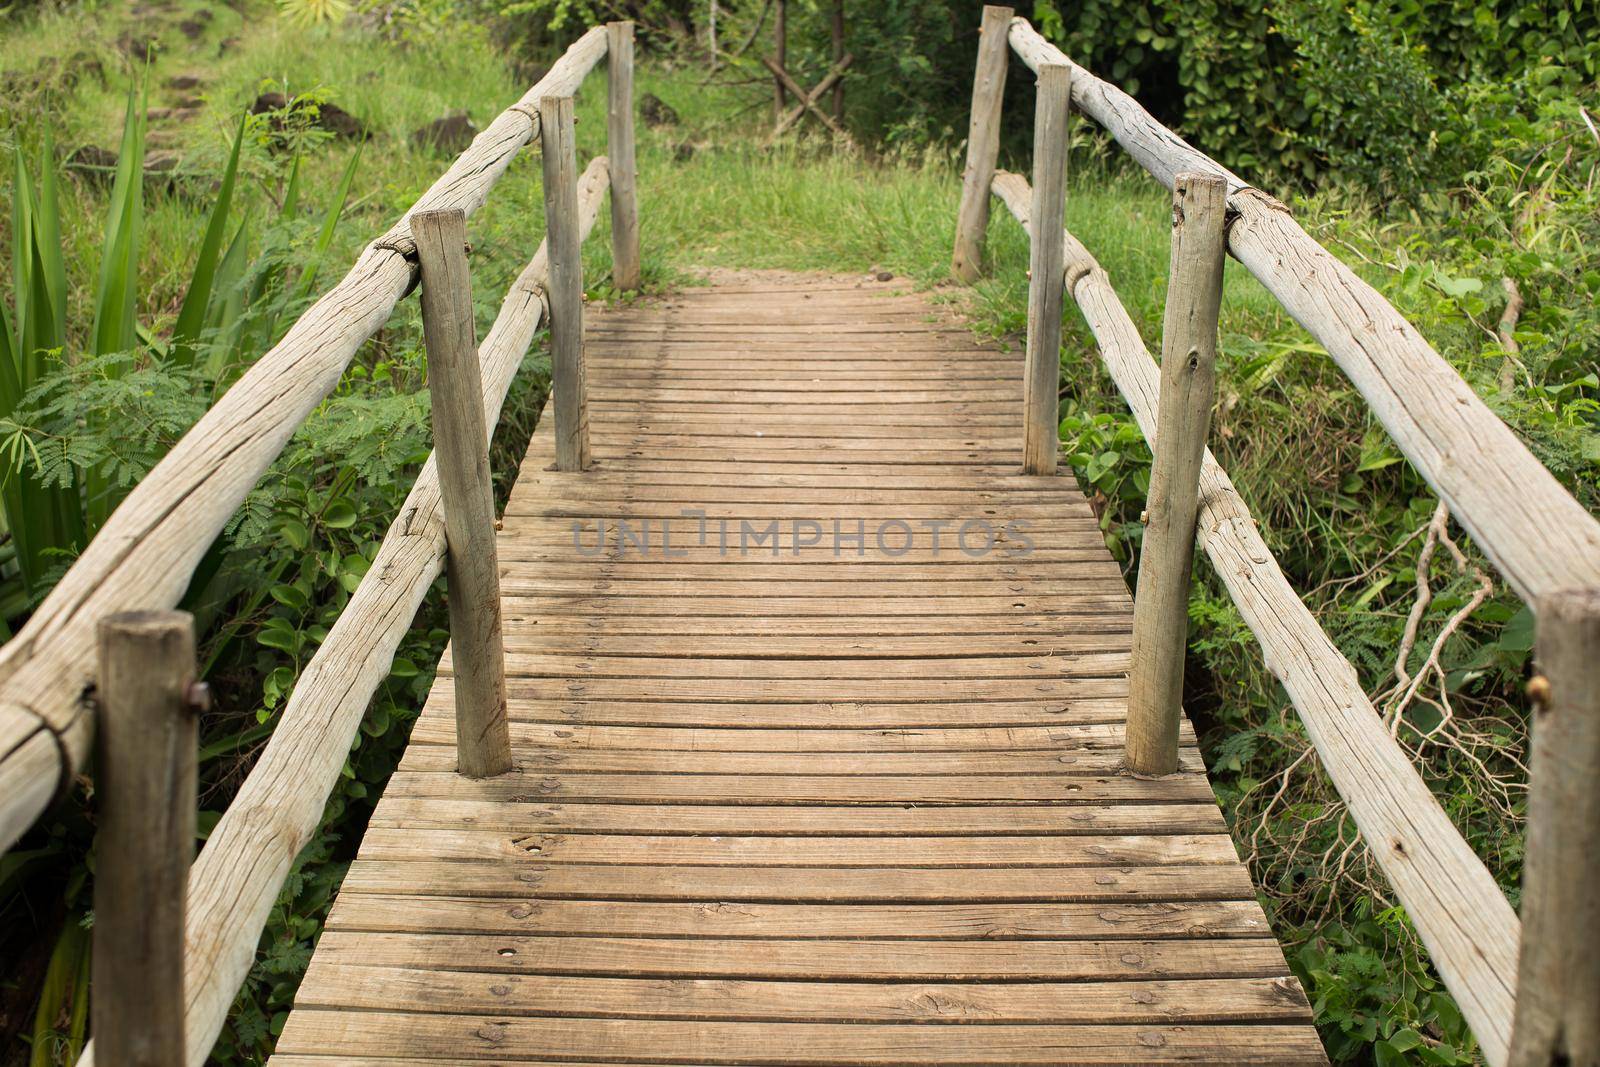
237 877
145 555
1522 518
1469 928
1518 513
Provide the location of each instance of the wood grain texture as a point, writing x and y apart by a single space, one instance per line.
1471 931
146 553
1188 390
1041 417
1558 981
788 807
1537 534
466 491
568 377
145 784
983 143
619 149
238 875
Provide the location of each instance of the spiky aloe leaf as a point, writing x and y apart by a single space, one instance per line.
203 283
116 299
325 236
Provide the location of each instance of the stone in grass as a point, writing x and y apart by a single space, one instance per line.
185 83
656 111
97 165
450 135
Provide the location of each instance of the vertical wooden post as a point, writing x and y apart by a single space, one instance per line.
1046 270
1557 1019
566 282
619 149
145 786
836 28
1183 421
780 53
461 450
983 142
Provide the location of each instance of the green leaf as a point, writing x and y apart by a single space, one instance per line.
197 300
340 515
295 532
116 298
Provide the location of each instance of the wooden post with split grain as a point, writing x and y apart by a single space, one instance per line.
1558 981
461 450
983 143
1046 283
145 786
568 392
1188 385
619 149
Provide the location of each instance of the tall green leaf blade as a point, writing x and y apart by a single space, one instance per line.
226 317
116 299
329 221
202 285
47 245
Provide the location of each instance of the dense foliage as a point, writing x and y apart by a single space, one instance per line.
1387 92
130 304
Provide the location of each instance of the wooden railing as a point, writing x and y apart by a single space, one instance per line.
170 957
1544 542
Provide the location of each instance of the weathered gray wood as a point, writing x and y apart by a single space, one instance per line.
145 785
983 143
808 101
1536 533
1188 388
461 451
237 878
1470 930
1042 374
1558 981
634 845
619 149
146 553
569 392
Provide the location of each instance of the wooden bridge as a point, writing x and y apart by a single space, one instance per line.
795 712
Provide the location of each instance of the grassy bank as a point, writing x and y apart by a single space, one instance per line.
1346 515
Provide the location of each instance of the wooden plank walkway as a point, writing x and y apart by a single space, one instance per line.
800 807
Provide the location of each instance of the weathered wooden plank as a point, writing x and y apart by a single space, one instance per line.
750 819
467 1038
1245 1000
814 958
849 790
362 912
912 850
496 878
577 786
